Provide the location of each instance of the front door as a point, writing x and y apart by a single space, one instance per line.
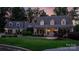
51 31
40 32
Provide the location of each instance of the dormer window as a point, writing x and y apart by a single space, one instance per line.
10 23
18 24
52 22
63 22
42 22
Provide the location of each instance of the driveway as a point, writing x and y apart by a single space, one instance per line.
75 48
4 47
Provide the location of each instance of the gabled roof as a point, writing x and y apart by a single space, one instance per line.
57 19
46 19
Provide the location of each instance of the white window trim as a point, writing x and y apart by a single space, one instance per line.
52 22
63 22
10 23
18 24
42 22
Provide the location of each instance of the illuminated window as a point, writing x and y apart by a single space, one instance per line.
42 22
63 22
52 22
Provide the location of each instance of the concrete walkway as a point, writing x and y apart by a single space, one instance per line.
76 48
51 37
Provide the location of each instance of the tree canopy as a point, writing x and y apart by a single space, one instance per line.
76 28
2 18
61 11
33 13
18 13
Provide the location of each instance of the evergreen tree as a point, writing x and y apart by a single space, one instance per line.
61 11
32 14
18 13
43 13
2 18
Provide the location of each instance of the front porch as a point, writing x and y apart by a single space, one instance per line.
45 31
13 31
48 32
36 31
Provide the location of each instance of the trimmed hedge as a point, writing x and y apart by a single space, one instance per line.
25 32
74 35
9 36
76 28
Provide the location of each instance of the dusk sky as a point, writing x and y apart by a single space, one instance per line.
49 10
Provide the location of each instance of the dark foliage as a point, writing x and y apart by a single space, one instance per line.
2 18
62 32
27 32
76 28
18 13
61 10
74 35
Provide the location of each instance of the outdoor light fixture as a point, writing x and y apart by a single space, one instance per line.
48 30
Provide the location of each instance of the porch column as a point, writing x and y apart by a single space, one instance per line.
6 30
45 34
35 31
38 32
13 31
71 30
21 30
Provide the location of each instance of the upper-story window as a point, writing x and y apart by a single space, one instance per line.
18 24
10 24
42 22
52 22
63 22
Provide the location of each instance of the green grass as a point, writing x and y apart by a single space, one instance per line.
35 43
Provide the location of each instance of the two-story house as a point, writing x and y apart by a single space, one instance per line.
46 25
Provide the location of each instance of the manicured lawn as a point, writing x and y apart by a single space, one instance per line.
35 43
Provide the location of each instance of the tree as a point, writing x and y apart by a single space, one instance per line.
76 28
75 14
36 12
61 10
71 14
32 14
18 13
2 18
63 31
43 13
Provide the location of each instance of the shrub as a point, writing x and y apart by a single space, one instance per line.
74 35
9 36
2 30
76 28
26 32
62 32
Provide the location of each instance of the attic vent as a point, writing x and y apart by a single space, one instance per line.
63 22
42 22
